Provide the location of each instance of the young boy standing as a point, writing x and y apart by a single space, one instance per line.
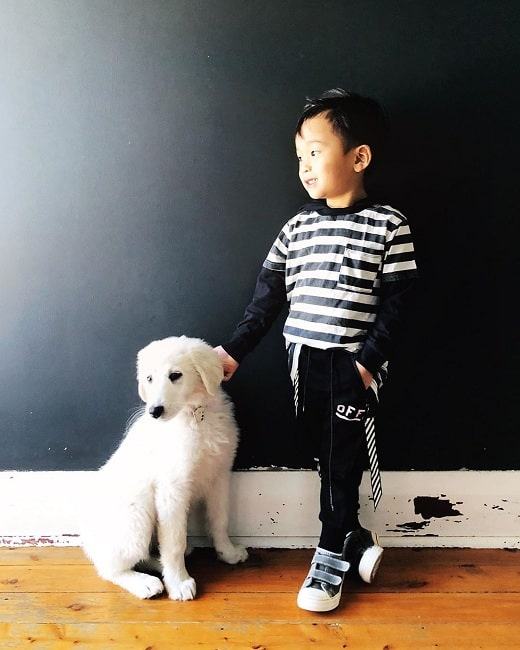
345 264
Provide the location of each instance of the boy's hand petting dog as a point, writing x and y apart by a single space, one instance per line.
228 363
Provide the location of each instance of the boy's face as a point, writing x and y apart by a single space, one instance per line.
325 170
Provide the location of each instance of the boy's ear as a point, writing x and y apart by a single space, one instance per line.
362 158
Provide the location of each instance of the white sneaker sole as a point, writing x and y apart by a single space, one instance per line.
369 563
315 600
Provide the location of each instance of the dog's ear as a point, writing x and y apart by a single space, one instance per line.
141 389
141 386
209 366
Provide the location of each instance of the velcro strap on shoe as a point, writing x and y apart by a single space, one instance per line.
330 561
323 576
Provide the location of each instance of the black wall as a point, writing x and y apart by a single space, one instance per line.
147 163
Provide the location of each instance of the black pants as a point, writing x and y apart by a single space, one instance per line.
332 407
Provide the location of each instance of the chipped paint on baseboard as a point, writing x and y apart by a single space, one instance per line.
410 526
446 509
429 507
66 539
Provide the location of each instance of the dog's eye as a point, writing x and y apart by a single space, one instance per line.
149 379
175 375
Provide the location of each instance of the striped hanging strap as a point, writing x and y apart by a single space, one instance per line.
375 474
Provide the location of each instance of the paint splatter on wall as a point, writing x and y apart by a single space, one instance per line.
429 507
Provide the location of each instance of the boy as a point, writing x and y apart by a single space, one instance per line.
346 266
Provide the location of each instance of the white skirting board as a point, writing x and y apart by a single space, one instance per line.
278 508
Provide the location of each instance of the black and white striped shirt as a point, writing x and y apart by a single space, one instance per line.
347 274
335 261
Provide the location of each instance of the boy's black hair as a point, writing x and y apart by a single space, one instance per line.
356 119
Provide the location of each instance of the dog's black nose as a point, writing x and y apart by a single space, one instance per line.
156 411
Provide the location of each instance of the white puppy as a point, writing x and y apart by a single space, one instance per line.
179 450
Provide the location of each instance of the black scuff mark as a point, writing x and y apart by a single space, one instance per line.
414 525
429 507
412 534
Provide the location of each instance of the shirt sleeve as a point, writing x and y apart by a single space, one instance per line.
269 297
396 298
399 281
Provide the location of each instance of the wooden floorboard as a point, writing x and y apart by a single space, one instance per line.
51 597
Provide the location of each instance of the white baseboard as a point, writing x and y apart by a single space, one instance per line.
279 508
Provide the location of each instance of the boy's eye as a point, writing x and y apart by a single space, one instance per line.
173 376
149 379
314 152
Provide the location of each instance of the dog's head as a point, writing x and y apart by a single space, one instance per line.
177 372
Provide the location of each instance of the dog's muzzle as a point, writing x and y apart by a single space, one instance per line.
156 411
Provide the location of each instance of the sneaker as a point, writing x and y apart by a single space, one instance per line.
362 551
321 589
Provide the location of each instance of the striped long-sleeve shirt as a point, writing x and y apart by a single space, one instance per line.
346 274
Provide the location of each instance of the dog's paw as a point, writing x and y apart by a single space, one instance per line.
233 554
185 590
151 586
141 585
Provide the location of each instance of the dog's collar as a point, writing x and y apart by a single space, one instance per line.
198 414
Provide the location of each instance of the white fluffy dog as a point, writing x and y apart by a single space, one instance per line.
179 450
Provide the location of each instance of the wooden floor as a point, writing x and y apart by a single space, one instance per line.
51 597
